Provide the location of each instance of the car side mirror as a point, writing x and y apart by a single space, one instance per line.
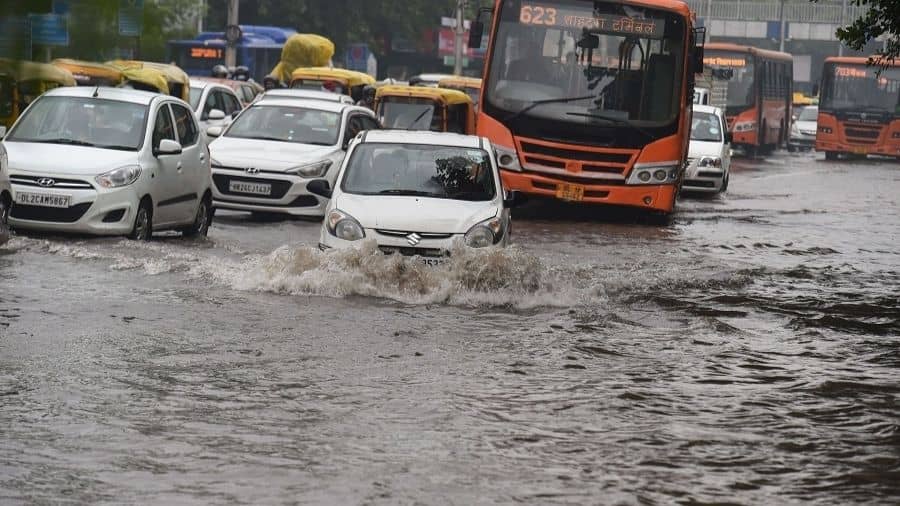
729 138
476 31
214 131
2 131
216 115
167 147
514 198
320 187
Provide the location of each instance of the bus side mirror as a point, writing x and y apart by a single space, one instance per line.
476 31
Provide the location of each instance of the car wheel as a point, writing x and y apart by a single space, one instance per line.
4 211
725 183
142 229
202 220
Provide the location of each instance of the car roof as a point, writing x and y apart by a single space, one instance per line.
708 109
307 103
295 93
197 83
423 137
105 92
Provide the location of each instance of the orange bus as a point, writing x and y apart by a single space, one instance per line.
590 101
859 110
760 94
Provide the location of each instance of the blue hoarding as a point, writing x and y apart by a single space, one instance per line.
49 29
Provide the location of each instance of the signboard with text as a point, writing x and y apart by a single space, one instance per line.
49 29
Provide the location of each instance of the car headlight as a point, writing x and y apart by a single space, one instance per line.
711 161
643 174
123 176
343 226
317 169
507 159
486 233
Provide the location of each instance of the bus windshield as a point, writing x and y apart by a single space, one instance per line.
738 70
857 88
584 63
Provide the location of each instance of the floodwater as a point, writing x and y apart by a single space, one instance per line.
747 354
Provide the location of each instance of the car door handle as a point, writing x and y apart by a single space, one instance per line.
178 167
202 158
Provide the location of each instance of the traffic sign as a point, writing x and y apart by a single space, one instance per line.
131 17
357 57
49 29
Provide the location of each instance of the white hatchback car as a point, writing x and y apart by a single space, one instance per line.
213 103
709 154
109 161
803 129
416 193
264 160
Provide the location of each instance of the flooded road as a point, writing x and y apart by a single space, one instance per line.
747 354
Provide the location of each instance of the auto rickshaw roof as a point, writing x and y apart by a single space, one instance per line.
89 68
444 95
23 70
350 77
460 82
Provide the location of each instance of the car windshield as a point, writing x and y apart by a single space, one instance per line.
706 127
195 97
575 61
809 114
287 124
85 121
420 170
736 69
410 114
861 88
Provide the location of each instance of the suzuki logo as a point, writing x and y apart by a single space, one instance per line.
413 239
863 116
46 182
252 170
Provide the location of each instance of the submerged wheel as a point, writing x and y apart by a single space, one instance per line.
202 220
725 183
831 155
143 222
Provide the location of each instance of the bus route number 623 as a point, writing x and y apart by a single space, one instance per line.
537 15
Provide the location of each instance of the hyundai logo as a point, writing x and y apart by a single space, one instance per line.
252 170
413 239
46 182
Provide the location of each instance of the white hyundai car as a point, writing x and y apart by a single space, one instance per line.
709 154
416 193
265 158
109 161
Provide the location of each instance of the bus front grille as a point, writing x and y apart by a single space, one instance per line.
568 162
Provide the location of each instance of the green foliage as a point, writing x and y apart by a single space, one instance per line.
882 18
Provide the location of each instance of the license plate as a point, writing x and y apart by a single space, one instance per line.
433 260
571 192
43 199
251 188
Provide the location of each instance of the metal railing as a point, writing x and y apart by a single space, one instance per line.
801 11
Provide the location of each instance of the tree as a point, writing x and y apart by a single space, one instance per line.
882 18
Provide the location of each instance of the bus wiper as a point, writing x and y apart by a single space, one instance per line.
615 121
536 103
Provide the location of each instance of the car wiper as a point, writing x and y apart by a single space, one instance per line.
411 193
71 142
536 103
266 138
615 121
420 116
472 196
117 147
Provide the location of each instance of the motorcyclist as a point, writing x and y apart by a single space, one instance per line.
368 97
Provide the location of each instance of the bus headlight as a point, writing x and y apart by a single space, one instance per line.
644 174
507 159
745 126
825 130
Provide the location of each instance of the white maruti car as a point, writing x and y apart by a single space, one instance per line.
803 129
263 161
709 154
416 193
109 161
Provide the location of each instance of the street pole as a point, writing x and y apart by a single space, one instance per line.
781 27
841 44
230 52
708 17
460 32
200 15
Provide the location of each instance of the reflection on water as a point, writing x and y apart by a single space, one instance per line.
747 354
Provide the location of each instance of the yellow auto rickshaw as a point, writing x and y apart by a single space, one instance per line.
88 73
471 86
347 82
23 81
161 77
422 108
